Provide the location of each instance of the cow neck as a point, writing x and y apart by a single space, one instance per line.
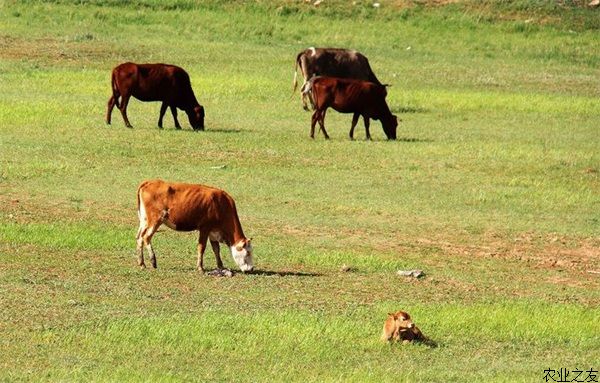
191 101
236 234
385 111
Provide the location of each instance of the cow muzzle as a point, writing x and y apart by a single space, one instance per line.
243 258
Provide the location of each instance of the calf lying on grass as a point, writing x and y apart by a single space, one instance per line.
399 327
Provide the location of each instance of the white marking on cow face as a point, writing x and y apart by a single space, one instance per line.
313 51
242 255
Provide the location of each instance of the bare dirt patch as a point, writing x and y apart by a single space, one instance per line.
550 250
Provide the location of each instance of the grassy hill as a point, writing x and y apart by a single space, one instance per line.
493 189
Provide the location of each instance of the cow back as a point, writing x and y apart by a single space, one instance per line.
349 95
190 206
156 82
336 62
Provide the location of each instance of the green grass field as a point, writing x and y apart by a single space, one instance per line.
493 189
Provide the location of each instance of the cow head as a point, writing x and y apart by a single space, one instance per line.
196 117
403 321
389 127
242 255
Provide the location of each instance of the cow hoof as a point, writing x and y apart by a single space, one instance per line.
142 266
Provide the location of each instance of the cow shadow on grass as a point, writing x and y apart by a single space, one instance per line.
413 139
219 130
408 109
270 273
205 131
399 139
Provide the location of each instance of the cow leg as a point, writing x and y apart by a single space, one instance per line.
174 113
315 118
111 105
140 244
217 250
322 124
366 120
123 109
147 238
201 247
141 232
303 96
304 102
354 122
163 109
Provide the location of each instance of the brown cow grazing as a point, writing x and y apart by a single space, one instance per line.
362 98
155 82
331 62
189 207
399 327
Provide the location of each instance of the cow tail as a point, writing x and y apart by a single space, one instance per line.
139 195
115 90
296 72
295 83
139 189
141 229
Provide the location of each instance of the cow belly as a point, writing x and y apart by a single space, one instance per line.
340 109
182 217
148 97
181 226
180 222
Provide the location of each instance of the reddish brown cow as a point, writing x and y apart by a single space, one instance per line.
189 207
155 82
362 98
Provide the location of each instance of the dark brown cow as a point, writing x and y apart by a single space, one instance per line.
362 98
332 62
155 82
189 207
